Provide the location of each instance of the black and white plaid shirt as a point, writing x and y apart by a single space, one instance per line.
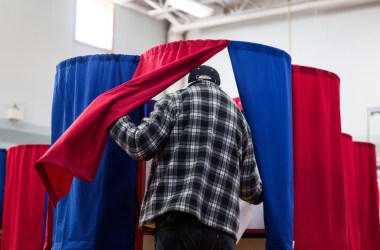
203 156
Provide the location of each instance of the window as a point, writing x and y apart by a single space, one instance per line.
94 23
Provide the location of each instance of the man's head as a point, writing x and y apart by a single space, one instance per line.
204 72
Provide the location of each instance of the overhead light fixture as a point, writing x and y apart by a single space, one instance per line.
192 7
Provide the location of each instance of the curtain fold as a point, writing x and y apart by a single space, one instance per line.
100 214
319 207
3 156
351 190
367 195
158 68
263 78
49 225
24 200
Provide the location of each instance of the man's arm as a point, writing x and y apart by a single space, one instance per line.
142 142
250 182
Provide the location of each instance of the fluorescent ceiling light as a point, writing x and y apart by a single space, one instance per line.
192 7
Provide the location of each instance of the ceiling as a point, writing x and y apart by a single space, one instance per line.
230 11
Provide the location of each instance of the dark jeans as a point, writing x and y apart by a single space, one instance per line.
177 234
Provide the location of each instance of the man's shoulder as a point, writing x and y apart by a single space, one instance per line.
170 99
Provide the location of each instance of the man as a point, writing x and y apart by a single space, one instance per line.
203 161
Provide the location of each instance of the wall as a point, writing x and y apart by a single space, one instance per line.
345 42
35 36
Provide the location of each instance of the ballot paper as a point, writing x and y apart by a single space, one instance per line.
246 216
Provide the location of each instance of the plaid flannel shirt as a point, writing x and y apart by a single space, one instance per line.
203 158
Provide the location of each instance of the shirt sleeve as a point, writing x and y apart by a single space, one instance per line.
144 141
250 181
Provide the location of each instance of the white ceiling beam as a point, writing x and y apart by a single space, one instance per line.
173 21
132 6
157 12
265 13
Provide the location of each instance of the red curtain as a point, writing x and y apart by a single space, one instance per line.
367 195
351 191
49 227
78 151
24 200
319 211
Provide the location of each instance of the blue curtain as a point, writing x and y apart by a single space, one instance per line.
100 214
263 78
3 156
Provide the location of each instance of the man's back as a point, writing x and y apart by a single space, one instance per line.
203 158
